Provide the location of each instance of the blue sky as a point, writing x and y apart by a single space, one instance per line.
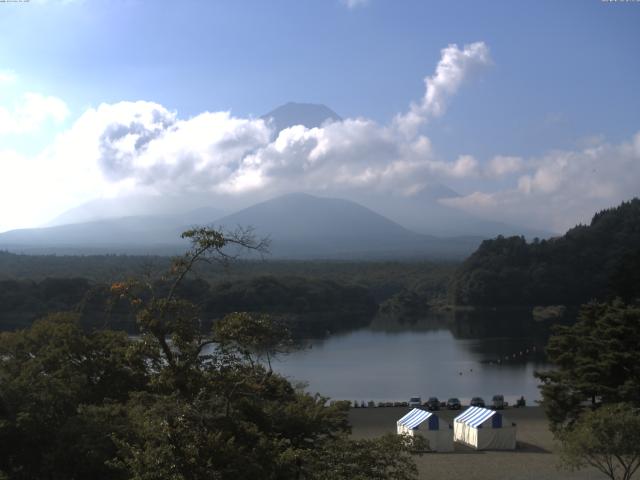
563 75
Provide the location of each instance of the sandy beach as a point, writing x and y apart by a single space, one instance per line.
536 456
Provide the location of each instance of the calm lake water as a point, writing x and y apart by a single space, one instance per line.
445 356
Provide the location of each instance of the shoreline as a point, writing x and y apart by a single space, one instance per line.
536 455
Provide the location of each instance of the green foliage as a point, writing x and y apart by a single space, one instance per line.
388 457
252 336
176 403
46 374
588 262
607 439
596 359
382 279
309 307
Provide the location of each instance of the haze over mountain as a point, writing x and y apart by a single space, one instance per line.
193 209
420 210
298 225
305 226
153 234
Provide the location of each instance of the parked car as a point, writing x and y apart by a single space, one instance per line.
454 404
433 403
477 402
497 402
415 402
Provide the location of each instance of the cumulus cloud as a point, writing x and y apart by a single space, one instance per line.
454 67
562 187
221 153
133 147
141 146
31 112
500 166
7 77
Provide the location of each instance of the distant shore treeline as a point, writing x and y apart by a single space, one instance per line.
307 306
314 296
596 261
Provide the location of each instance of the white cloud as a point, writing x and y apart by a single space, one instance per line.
130 147
133 147
562 188
31 112
354 3
501 165
454 67
8 77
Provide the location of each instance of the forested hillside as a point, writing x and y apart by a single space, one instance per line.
599 260
308 307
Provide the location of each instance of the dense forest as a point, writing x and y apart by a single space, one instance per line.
382 278
596 261
312 297
309 307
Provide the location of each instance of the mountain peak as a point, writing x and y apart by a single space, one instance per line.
310 115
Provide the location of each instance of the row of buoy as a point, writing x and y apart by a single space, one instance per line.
513 356
372 404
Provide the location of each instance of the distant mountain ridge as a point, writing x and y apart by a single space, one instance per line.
310 115
192 211
300 226
305 226
157 234
152 223
421 212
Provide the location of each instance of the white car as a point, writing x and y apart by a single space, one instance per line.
415 402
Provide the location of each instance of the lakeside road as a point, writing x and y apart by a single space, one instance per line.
536 456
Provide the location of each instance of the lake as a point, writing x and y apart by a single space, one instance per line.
450 355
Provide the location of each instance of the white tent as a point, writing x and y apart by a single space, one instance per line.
484 429
440 440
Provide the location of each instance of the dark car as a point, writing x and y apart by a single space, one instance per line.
454 404
477 402
433 403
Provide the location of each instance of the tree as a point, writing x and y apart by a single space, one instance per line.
47 373
254 336
607 439
597 360
216 411
598 261
179 402
388 457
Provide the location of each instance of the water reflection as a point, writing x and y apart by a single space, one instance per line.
461 354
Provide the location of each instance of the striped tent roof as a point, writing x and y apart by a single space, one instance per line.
474 416
414 418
